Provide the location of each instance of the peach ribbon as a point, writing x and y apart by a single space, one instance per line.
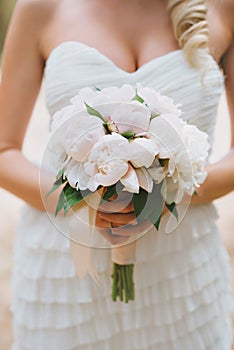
82 229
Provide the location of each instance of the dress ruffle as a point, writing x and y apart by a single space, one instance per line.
182 291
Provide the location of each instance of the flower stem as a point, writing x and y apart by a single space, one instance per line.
123 284
114 286
124 276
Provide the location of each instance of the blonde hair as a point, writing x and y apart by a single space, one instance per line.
189 20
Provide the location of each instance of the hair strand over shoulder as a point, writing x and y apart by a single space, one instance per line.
189 20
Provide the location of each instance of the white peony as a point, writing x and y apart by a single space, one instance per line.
157 103
108 160
62 116
186 150
105 96
196 143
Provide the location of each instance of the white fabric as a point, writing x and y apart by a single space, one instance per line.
182 296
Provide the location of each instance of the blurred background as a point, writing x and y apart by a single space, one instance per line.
10 206
6 7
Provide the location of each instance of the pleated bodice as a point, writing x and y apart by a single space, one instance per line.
73 65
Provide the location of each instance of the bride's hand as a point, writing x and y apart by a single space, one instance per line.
116 220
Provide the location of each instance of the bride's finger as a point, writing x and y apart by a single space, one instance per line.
119 219
101 223
119 202
130 230
117 207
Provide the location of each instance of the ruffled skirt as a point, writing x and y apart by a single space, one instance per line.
182 298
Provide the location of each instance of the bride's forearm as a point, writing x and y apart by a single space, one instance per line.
23 179
219 181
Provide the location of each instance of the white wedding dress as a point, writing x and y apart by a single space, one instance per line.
182 299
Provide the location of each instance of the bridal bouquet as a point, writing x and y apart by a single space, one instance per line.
130 139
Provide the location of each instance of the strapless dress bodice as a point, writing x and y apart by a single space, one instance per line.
73 65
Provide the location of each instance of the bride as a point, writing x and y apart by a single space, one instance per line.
183 297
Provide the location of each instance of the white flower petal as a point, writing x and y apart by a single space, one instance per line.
129 116
62 116
85 95
85 181
112 173
169 190
144 179
142 152
166 135
130 181
81 135
123 94
157 174
72 173
109 147
158 103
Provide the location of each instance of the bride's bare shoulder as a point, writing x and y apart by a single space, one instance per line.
226 10
39 7
34 12
30 18
229 12
28 23
32 5
221 26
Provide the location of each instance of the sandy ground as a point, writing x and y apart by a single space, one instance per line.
9 209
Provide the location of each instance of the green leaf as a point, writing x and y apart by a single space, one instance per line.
154 116
69 197
195 193
109 192
69 191
68 204
172 208
60 173
138 98
105 126
97 88
156 204
139 202
162 162
72 197
149 205
60 203
157 223
60 180
128 134
94 112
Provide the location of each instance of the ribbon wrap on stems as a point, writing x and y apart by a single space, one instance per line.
82 230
